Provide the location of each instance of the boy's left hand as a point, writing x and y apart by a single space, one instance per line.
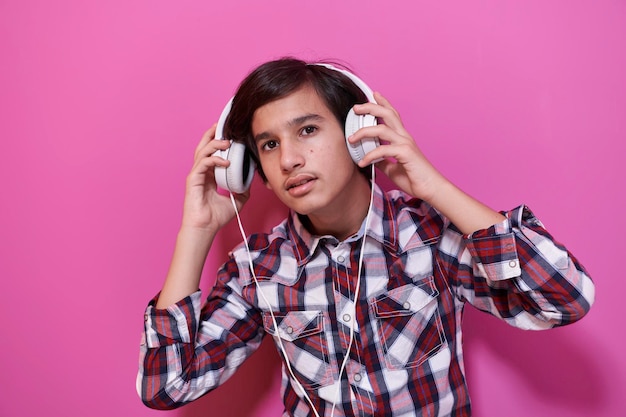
402 160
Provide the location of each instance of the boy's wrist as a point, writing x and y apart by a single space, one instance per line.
195 234
436 189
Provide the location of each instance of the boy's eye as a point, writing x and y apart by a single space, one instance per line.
269 145
307 130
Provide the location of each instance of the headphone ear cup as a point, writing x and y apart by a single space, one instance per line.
355 122
238 176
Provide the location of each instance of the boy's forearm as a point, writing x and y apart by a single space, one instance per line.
183 277
464 211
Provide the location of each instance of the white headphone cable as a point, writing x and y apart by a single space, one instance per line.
274 321
356 293
269 307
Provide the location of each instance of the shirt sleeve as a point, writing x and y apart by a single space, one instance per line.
515 270
188 349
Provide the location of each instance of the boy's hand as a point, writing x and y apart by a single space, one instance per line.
204 207
403 162
409 169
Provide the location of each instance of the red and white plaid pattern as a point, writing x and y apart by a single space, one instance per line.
406 358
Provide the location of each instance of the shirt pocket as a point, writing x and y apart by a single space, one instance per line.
305 345
408 328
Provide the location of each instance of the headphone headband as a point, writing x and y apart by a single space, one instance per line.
359 82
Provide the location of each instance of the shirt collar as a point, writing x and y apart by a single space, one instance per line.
382 227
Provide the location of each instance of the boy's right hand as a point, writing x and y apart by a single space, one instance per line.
205 208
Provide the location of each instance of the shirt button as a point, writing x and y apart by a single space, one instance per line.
289 330
346 318
512 264
357 377
340 259
406 305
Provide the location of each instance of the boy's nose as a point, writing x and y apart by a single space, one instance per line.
290 156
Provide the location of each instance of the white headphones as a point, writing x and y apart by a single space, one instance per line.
238 176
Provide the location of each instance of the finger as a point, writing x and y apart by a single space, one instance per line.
386 113
205 162
401 151
208 163
206 137
203 172
377 154
210 148
380 99
382 154
383 132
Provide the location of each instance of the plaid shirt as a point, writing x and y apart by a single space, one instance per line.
406 357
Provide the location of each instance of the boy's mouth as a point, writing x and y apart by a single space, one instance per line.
298 181
297 184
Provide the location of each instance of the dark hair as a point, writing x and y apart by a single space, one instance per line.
274 80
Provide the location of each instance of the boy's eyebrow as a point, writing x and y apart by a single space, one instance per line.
305 118
291 123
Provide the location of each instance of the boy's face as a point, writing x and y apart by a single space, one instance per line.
303 153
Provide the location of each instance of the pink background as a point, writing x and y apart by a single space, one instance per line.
101 106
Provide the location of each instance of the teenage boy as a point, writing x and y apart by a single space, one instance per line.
364 305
